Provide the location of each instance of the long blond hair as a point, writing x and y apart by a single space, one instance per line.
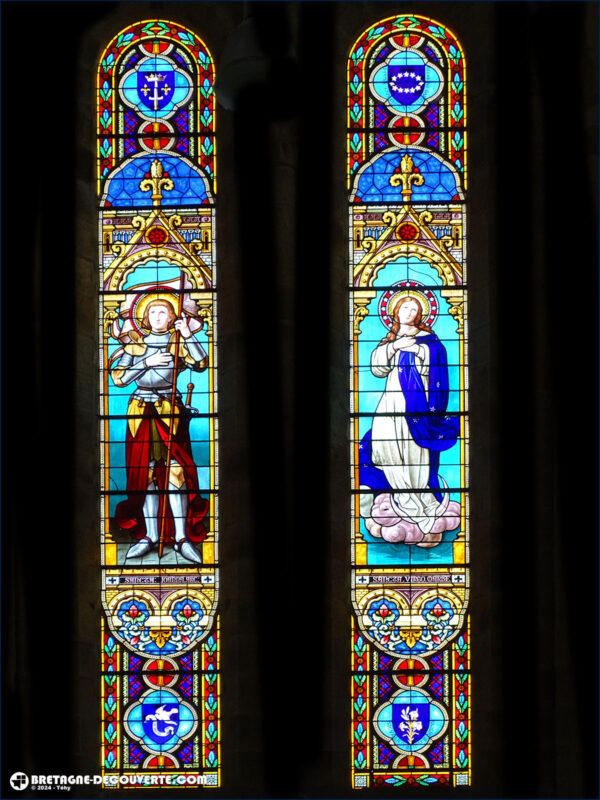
417 322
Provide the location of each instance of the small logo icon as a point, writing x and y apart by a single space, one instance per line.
19 781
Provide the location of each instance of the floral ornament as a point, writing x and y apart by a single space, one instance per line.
437 614
133 615
386 631
384 614
411 724
187 615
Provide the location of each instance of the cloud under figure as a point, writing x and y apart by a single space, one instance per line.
386 524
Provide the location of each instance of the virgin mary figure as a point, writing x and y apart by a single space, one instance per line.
400 455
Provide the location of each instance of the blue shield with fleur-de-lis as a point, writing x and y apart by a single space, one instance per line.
407 82
411 718
155 88
160 721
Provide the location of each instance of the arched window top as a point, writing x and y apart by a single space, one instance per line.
406 87
190 186
156 94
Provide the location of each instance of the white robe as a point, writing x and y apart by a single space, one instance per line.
405 464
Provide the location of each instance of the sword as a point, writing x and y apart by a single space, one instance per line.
188 400
156 96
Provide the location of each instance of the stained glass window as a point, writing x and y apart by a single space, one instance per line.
409 426
158 405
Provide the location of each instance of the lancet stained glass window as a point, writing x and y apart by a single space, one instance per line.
158 408
407 178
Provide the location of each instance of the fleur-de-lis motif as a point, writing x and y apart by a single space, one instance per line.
156 183
407 177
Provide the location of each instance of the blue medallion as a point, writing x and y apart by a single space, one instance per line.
160 722
156 88
411 720
406 82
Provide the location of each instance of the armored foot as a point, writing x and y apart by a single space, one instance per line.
188 551
140 548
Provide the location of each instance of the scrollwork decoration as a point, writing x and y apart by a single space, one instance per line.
369 244
360 313
110 316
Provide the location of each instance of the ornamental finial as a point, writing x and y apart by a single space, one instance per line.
156 182
407 176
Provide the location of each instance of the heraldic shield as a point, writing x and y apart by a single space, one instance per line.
406 82
160 722
411 718
155 89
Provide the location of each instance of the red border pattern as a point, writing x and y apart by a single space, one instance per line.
358 102
107 96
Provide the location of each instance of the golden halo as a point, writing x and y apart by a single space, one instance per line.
408 288
417 296
141 303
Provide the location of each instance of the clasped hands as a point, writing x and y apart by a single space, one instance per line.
406 343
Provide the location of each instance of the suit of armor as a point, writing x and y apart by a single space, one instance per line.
156 426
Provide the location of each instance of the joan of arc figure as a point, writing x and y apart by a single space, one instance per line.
158 435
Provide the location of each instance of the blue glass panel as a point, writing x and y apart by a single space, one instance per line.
190 188
440 182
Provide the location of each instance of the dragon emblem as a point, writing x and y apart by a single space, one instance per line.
162 724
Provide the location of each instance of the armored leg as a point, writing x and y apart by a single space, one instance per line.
150 508
179 507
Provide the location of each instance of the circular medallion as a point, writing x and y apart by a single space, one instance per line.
407 232
411 762
156 87
160 720
156 136
407 39
156 235
406 81
408 129
155 47
160 672
411 721
411 672
160 762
